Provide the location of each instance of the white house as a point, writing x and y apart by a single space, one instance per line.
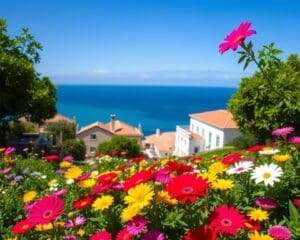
207 131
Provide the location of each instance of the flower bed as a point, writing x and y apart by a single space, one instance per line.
251 194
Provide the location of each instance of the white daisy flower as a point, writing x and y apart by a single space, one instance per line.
240 167
267 173
269 151
69 181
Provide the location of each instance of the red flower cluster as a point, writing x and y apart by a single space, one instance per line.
51 157
231 158
138 178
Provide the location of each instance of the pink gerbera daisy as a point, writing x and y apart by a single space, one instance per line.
101 235
266 203
137 225
280 232
294 140
46 210
236 37
282 131
226 220
124 234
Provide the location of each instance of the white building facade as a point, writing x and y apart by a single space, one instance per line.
207 131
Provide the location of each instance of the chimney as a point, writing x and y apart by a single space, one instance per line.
112 122
157 132
140 127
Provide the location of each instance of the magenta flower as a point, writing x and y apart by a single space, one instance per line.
68 158
282 131
294 140
280 232
266 203
5 170
137 225
69 224
153 235
236 37
69 237
78 221
9 150
60 192
123 234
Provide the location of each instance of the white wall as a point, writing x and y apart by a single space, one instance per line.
205 130
230 134
182 142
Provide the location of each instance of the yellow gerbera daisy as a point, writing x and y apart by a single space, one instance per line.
43 227
217 167
80 232
53 182
129 212
29 196
103 202
282 157
139 196
210 177
222 184
259 236
258 215
164 196
65 164
73 172
88 183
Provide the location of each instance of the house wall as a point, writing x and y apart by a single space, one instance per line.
205 130
101 136
182 142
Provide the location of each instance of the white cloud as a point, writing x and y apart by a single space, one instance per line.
100 72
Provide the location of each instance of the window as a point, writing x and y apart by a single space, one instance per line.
202 132
209 138
92 149
217 141
196 150
192 127
197 129
93 136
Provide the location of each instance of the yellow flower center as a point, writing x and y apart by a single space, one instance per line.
266 175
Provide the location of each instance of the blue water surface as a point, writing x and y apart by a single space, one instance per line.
152 106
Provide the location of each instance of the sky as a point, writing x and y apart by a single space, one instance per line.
149 42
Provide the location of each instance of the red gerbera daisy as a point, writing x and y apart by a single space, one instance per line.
124 235
255 148
231 158
180 167
51 157
83 202
101 235
137 159
226 220
22 226
252 225
46 210
108 177
202 232
122 167
136 179
83 177
187 187
102 187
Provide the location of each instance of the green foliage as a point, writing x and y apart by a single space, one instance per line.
245 140
121 143
17 128
293 222
259 107
76 148
23 91
68 130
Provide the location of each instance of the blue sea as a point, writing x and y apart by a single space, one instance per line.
152 106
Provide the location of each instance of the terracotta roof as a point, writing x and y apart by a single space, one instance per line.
196 136
95 124
219 118
123 129
120 128
164 141
58 117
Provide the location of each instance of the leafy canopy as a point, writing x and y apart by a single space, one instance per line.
24 92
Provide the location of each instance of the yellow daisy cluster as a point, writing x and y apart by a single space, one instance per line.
73 172
259 236
163 196
223 184
216 168
258 215
282 157
88 183
65 164
43 227
29 196
138 197
103 202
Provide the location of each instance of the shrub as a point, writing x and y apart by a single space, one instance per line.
120 143
61 129
245 140
76 148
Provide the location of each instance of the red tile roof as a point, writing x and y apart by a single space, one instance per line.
219 118
164 141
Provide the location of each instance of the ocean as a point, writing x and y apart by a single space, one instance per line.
152 106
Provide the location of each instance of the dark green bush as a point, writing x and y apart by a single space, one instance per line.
120 143
245 140
76 148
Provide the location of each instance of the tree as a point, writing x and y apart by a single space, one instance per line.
121 143
24 92
67 129
258 109
76 148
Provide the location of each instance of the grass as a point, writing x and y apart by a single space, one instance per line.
219 152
